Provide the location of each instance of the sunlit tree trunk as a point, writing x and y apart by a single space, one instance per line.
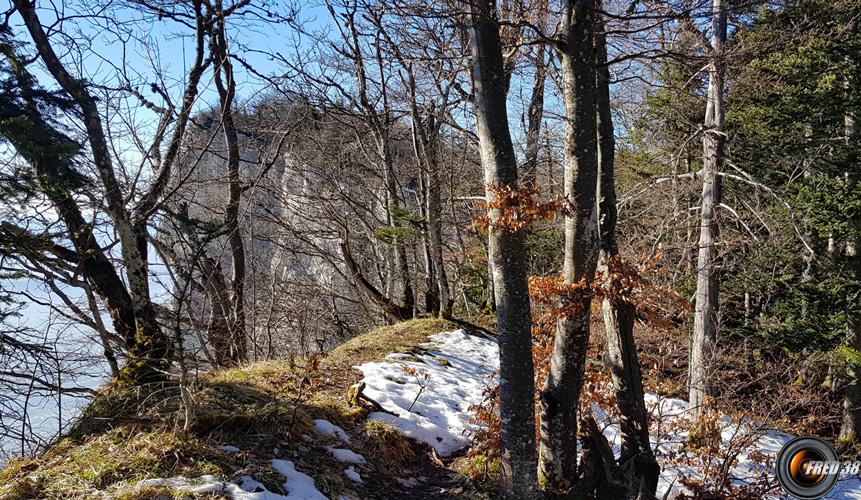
149 354
534 115
561 393
850 428
226 86
508 256
706 298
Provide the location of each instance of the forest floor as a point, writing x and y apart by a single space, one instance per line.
388 414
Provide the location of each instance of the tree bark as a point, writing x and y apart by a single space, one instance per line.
534 114
508 257
432 305
226 86
434 227
619 315
561 393
706 298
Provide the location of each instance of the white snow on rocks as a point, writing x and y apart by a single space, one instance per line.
432 404
346 456
331 430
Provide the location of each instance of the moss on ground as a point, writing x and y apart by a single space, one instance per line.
129 434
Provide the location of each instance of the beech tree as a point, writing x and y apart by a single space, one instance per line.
558 451
619 313
507 254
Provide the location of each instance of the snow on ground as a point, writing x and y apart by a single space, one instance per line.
353 475
429 393
329 429
298 485
346 456
200 485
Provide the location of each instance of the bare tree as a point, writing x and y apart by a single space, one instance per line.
225 83
706 298
619 314
131 308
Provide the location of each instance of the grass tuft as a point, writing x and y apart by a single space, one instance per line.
386 446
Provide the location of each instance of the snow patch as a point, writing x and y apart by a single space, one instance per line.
331 430
346 456
228 448
429 399
407 483
757 444
299 486
352 475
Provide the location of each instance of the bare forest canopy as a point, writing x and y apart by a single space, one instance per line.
666 189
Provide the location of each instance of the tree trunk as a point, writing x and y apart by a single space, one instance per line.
619 316
401 264
706 298
534 115
392 311
432 305
507 254
434 228
561 393
425 131
850 429
226 86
